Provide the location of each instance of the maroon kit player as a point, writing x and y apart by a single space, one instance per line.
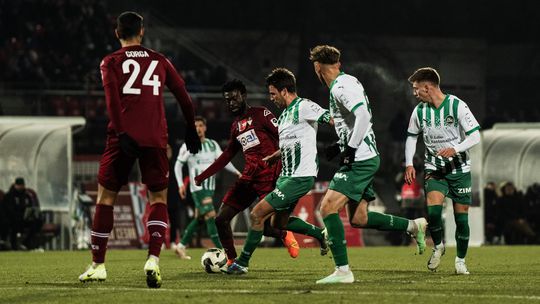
133 79
254 131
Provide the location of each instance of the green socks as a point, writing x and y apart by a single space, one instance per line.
188 233
386 222
336 239
252 241
435 223
299 226
212 232
462 234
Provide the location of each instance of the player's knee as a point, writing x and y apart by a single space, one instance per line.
256 219
359 220
327 208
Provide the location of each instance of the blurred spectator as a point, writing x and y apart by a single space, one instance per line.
511 211
4 224
493 231
24 216
533 208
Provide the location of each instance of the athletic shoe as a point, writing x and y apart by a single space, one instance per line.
420 234
338 276
292 245
235 268
229 262
324 242
153 275
461 268
181 252
97 273
435 258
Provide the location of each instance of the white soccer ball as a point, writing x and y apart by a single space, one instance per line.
214 260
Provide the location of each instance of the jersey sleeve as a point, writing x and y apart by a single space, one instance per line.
311 111
176 84
269 122
466 119
112 93
414 126
183 154
351 97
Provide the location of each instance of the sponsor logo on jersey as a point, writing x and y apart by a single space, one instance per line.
248 139
136 54
449 120
266 113
244 124
464 190
274 122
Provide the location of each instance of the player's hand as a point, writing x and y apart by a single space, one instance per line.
128 145
198 180
193 143
182 192
447 152
272 158
410 174
239 175
347 156
331 151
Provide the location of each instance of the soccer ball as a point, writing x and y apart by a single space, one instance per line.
214 260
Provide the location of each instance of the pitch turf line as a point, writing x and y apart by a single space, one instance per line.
293 292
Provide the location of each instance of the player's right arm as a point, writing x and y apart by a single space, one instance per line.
230 151
229 167
410 146
112 93
183 155
177 86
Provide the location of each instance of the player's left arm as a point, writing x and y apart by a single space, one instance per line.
357 103
314 112
470 125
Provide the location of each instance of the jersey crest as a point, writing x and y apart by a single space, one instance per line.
244 124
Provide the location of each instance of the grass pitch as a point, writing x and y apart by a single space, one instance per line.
383 275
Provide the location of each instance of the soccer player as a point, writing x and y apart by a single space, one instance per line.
297 127
254 131
202 195
449 130
353 182
133 79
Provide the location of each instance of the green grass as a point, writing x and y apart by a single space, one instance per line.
383 275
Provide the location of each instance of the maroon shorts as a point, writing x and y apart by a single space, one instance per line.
242 194
115 166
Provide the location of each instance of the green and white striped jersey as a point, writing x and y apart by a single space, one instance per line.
297 127
197 163
444 127
346 95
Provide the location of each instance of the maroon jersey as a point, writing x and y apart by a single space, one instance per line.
256 133
133 79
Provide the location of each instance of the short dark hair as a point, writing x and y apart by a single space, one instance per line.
19 181
425 74
232 85
200 118
325 54
281 78
129 25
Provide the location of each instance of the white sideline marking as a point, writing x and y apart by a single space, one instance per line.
300 291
